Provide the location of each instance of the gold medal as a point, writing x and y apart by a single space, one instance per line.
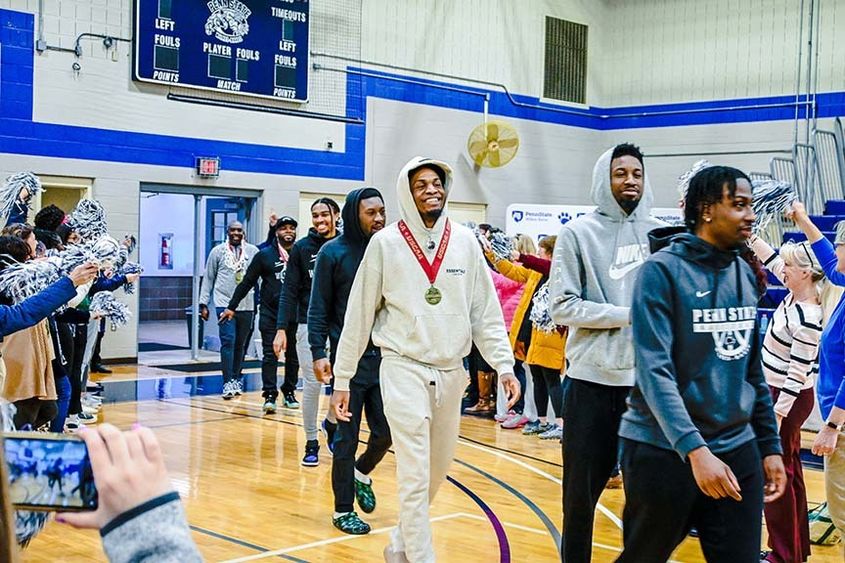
433 295
239 277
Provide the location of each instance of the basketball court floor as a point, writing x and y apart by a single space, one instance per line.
249 499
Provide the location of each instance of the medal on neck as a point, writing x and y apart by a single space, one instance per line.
236 262
433 295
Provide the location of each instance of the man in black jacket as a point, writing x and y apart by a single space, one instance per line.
270 265
293 312
338 261
700 444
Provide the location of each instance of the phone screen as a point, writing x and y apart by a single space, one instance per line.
49 472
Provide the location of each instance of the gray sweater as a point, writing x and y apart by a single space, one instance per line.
154 532
595 264
223 279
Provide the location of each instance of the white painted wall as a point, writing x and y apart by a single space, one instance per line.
167 213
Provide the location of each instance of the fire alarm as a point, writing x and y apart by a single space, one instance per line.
208 167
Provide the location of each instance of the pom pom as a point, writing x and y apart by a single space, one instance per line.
104 304
22 281
684 179
11 191
541 316
501 244
771 198
88 219
130 268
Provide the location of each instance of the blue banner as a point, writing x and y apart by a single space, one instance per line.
249 47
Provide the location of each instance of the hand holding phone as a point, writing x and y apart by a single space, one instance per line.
128 470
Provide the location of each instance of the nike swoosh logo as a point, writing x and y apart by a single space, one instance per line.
617 273
702 293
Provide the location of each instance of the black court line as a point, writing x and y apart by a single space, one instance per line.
242 543
190 423
511 452
544 518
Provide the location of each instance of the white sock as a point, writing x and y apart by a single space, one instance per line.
339 514
363 478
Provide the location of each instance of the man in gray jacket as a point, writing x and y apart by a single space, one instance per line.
594 267
226 266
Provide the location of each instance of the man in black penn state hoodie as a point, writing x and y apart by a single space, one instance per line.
700 444
293 311
269 265
363 215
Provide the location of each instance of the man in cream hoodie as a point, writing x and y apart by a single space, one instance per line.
594 267
424 293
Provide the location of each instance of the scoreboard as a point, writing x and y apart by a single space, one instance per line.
249 47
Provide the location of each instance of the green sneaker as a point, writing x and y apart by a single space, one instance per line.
349 523
365 495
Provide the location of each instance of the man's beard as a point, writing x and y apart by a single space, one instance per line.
284 241
433 215
629 205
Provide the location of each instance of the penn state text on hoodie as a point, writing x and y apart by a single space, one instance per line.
699 372
388 297
593 272
296 289
337 264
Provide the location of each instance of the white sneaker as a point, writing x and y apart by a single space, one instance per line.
90 410
228 390
239 386
72 424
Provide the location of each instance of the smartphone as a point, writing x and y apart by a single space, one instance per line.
50 472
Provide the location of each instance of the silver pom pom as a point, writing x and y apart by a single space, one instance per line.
541 316
501 244
88 219
21 281
130 268
684 179
104 304
771 198
11 191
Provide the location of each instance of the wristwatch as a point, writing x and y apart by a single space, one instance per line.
837 427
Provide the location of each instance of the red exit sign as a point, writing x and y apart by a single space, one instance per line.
208 167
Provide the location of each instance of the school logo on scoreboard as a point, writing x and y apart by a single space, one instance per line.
228 20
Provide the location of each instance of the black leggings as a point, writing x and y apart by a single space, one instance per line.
547 385
73 355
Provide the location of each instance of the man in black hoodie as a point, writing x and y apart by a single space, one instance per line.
293 311
338 261
270 265
700 444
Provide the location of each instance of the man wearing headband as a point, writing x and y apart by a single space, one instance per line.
269 265
424 295
224 270
293 312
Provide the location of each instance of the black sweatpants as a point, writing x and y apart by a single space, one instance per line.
547 385
590 452
80 339
291 362
364 394
663 501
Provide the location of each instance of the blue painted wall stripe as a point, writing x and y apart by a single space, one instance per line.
19 134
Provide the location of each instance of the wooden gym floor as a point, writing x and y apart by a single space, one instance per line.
248 498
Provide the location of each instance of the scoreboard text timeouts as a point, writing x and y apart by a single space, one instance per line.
250 47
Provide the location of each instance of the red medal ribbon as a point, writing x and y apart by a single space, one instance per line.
432 268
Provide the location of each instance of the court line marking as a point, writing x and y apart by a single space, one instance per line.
242 543
601 508
330 541
520 527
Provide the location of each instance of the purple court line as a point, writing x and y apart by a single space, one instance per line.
501 536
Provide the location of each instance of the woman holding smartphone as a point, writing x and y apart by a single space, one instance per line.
830 388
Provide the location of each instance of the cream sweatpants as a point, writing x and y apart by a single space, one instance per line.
834 485
423 409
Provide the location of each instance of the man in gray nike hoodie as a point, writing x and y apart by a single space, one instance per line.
594 267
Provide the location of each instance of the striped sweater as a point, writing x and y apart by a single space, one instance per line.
790 348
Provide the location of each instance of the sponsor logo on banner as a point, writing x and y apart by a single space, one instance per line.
228 20
537 220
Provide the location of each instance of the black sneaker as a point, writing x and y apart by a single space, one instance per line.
329 429
350 523
100 368
365 495
290 401
312 454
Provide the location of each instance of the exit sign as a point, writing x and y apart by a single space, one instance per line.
208 167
